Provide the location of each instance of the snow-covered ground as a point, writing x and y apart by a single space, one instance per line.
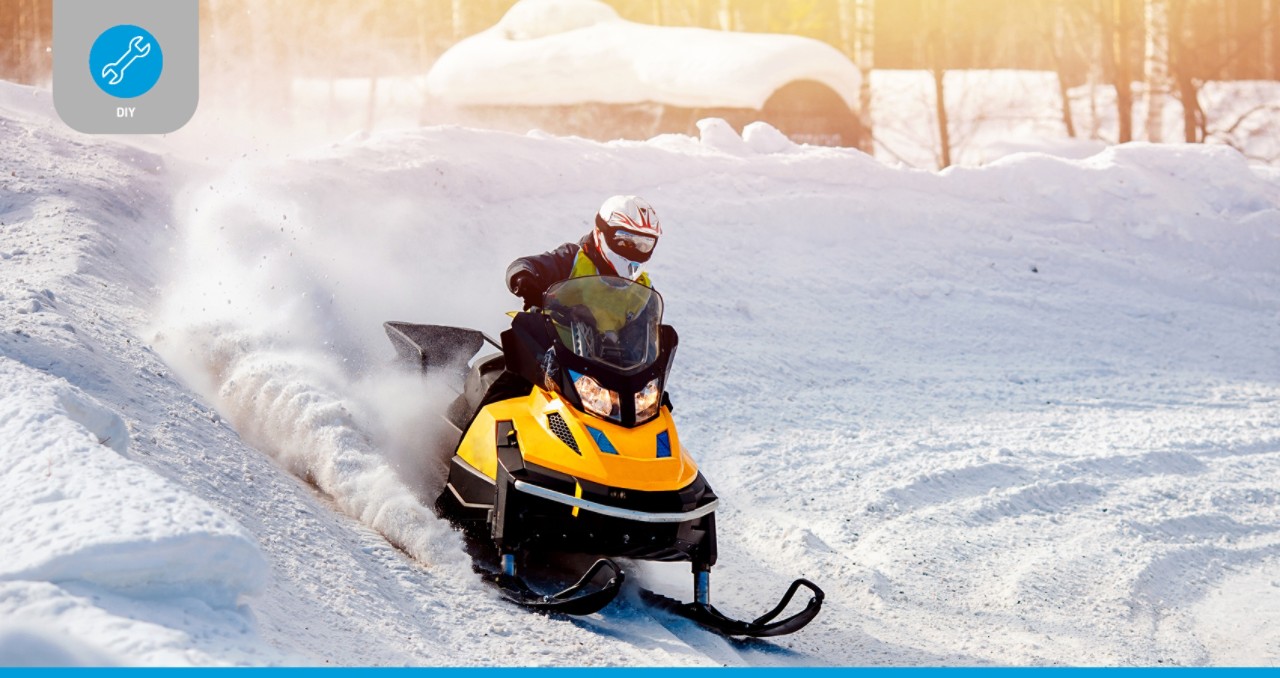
1027 413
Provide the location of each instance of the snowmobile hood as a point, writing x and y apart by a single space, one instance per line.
554 435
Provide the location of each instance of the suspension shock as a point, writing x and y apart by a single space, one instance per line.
702 584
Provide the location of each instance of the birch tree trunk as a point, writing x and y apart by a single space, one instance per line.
1156 66
1122 25
865 57
724 15
845 14
461 19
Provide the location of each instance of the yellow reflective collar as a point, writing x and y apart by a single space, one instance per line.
583 267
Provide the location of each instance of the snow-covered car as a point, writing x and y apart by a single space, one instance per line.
576 67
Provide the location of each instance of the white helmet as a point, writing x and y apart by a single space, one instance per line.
627 230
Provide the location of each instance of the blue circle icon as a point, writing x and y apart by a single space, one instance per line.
126 61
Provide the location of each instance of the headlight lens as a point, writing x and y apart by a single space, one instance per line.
598 400
647 401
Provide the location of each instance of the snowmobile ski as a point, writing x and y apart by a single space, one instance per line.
578 599
763 627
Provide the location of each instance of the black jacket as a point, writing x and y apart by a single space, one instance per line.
551 267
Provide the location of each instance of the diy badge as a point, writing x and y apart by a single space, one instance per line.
126 66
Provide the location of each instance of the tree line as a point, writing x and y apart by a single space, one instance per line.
1167 47
1225 39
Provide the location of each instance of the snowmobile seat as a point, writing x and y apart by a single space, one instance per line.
481 377
487 382
433 348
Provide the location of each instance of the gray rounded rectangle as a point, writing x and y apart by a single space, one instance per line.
166 106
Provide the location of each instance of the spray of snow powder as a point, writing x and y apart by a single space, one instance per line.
274 313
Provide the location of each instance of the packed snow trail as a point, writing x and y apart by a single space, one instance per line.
994 312
1027 413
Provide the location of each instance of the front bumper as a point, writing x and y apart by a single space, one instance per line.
534 508
614 511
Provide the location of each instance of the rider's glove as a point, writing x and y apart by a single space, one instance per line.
523 286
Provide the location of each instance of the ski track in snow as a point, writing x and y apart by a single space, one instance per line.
1021 414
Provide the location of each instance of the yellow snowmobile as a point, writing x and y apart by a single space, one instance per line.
567 444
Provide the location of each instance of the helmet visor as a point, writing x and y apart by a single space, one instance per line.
634 246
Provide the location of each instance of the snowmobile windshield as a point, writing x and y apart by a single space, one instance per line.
607 320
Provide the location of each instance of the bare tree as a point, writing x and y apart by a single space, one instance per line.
1122 72
1223 20
857 38
1058 25
1098 60
1270 70
1182 62
24 37
1156 65
35 49
936 50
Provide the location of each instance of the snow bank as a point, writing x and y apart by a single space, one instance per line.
32 105
39 646
118 536
107 562
82 511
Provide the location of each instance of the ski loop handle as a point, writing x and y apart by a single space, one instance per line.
762 627
818 596
615 578
578 599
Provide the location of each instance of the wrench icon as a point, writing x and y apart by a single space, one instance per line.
115 70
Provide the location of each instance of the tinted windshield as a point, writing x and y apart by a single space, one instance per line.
608 320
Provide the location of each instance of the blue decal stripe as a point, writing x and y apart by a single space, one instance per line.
602 441
664 445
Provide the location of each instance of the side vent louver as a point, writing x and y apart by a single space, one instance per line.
558 426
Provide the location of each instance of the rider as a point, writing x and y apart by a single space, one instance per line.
625 234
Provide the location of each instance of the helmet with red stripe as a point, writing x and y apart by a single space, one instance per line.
627 231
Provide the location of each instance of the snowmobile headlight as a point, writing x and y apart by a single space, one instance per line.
647 401
598 400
